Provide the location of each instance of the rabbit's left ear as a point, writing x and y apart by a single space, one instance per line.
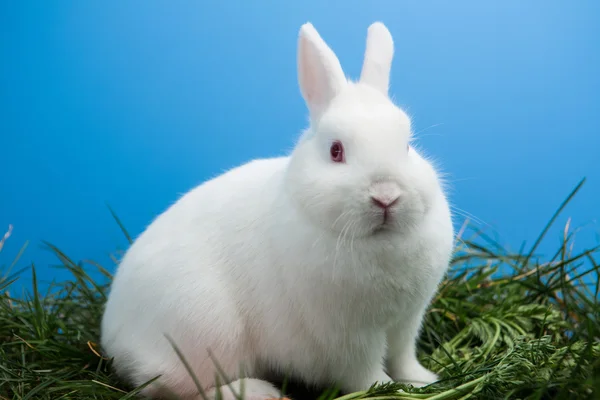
320 74
378 57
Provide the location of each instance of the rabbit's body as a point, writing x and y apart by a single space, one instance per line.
269 268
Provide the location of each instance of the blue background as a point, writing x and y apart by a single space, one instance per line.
135 102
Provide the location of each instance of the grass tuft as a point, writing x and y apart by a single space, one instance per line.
502 326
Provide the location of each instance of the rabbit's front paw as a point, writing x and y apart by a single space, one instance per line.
414 373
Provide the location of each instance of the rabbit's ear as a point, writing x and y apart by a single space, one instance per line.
378 57
320 74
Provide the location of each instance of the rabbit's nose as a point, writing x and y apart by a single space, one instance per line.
384 203
385 194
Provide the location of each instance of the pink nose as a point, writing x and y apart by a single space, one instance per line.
384 203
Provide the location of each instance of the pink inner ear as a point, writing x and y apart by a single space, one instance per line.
319 72
309 85
308 71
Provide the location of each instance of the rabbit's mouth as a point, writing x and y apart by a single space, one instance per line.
382 229
386 222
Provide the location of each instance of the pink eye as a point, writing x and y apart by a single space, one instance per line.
337 152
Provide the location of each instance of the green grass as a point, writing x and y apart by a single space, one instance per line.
503 326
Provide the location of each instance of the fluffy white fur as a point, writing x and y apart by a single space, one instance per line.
283 264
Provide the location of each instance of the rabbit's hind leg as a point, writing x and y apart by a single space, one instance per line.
246 389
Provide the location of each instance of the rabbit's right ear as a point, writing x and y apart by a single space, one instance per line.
320 74
378 57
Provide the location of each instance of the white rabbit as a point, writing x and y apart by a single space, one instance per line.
320 264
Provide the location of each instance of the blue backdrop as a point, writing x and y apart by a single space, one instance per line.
133 103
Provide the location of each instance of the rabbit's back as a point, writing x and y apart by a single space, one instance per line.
178 277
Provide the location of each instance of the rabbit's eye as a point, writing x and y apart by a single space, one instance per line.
337 152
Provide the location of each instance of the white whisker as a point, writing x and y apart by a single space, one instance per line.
432 126
340 239
352 254
468 215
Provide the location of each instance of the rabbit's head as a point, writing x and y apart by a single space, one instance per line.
354 167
